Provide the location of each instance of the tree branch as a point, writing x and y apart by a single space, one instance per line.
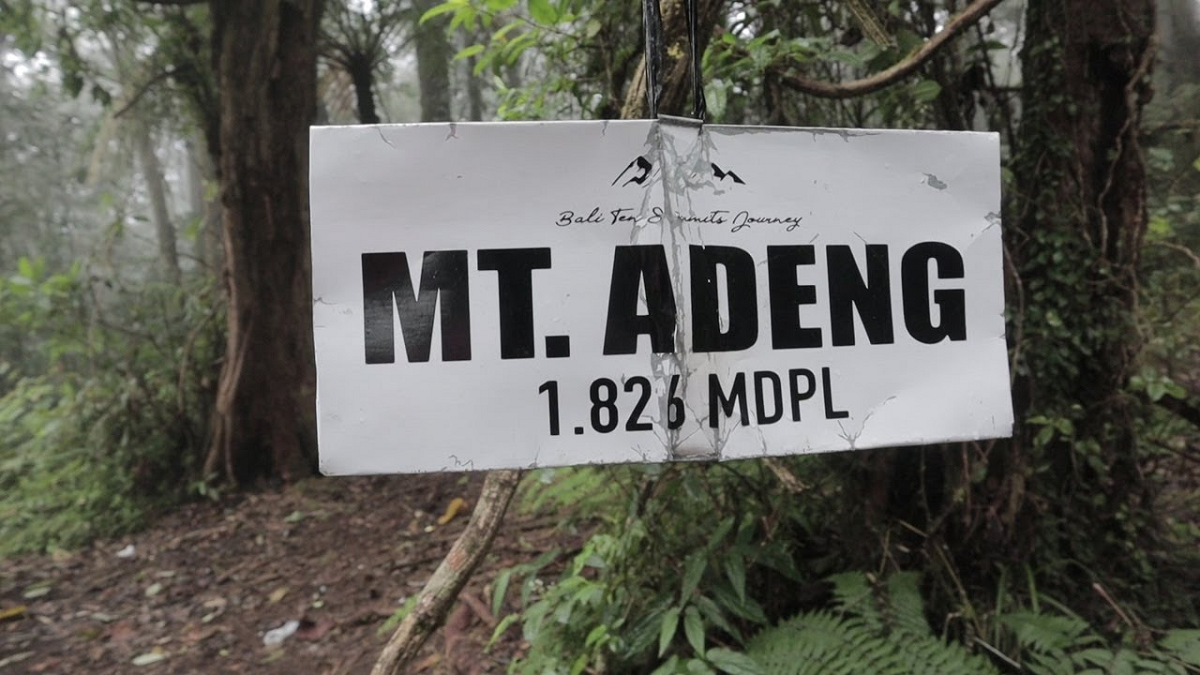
969 16
452 574
149 84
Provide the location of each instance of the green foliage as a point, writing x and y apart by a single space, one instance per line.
865 634
581 40
881 628
671 579
1060 644
103 413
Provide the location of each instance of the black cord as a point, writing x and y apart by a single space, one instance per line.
699 105
652 24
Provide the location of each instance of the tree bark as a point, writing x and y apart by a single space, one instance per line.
266 54
160 216
1075 239
433 65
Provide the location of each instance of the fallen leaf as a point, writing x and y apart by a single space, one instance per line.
148 658
15 658
294 517
277 595
276 636
429 662
36 591
153 590
195 634
13 613
456 506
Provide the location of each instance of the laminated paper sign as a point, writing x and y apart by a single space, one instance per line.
541 294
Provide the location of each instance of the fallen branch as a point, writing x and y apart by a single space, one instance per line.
969 16
451 575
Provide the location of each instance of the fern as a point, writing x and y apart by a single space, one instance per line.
866 634
881 628
1066 645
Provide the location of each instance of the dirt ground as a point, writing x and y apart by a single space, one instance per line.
197 592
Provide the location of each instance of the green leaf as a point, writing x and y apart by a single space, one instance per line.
500 591
504 625
691 575
715 616
596 635
729 661
735 569
468 52
541 11
926 90
668 668
666 632
25 268
1184 645
693 627
438 10
720 533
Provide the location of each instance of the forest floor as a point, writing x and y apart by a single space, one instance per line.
198 590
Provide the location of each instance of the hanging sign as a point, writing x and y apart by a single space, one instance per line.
538 294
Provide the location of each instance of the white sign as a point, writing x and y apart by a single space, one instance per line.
538 294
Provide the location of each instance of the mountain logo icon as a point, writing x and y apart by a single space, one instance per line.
722 175
643 172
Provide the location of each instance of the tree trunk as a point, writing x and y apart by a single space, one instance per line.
363 77
1179 30
156 187
1075 237
433 65
473 81
266 58
1073 233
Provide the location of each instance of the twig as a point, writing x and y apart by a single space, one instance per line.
1107 598
1181 249
973 13
452 574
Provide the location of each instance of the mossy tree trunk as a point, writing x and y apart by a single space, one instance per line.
1077 221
